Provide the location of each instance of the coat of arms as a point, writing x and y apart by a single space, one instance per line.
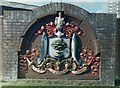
61 50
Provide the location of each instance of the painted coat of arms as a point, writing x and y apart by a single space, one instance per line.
61 50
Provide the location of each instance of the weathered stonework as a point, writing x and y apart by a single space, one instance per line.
118 49
15 24
1 28
107 37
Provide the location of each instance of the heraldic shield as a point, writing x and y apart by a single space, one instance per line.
61 50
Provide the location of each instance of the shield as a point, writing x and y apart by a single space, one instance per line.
59 48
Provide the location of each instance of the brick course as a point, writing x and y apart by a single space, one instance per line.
15 24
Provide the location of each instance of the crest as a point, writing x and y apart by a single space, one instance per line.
61 50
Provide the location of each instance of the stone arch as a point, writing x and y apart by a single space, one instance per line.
52 8
46 13
72 13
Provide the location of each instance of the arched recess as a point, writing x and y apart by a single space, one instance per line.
72 14
90 34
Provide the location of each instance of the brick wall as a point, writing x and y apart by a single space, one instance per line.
105 25
16 22
1 28
118 49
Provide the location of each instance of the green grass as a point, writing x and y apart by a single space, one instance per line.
23 84
45 85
